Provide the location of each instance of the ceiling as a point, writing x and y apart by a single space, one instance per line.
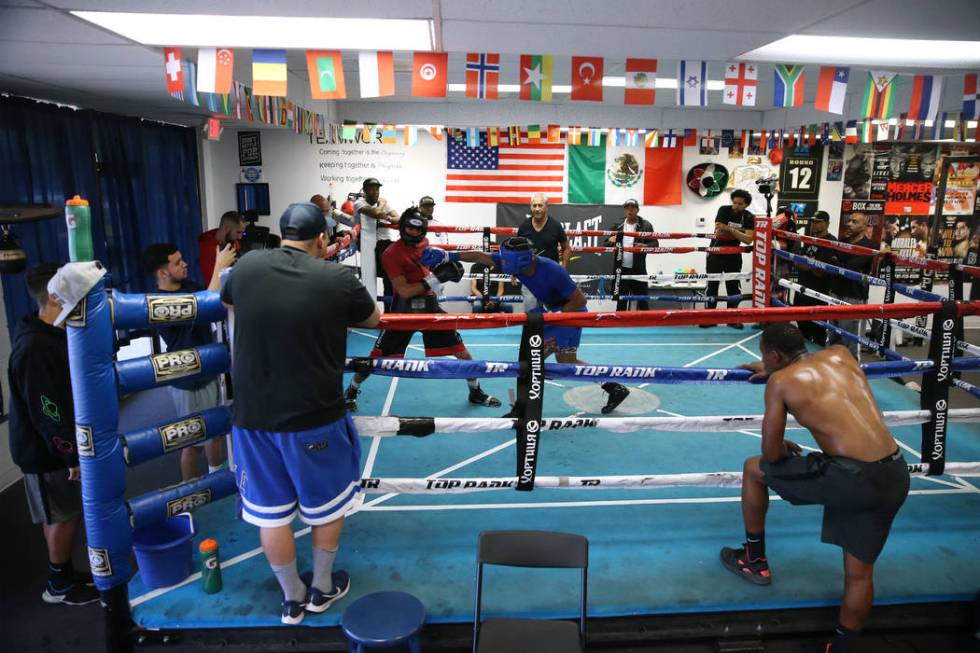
47 53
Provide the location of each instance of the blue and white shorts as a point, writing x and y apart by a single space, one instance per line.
317 471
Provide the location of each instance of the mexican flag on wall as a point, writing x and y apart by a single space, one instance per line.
612 175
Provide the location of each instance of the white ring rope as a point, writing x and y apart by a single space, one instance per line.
898 324
629 482
681 277
392 426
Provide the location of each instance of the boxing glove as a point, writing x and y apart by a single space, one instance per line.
433 257
440 274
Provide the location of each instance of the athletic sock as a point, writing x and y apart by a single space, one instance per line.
292 585
323 568
844 639
62 576
755 545
473 383
213 468
354 384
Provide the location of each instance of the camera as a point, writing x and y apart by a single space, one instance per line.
765 185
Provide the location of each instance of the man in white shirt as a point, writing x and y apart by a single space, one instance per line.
372 212
633 264
427 207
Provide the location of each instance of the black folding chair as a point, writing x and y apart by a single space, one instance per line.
544 549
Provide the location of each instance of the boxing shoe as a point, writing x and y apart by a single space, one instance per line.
350 398
737 325
617 393
738 562
479 397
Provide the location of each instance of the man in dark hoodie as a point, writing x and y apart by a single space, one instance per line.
42 438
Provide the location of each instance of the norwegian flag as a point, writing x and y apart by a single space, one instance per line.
741 80
482 75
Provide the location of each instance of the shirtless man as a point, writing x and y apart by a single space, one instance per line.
859 476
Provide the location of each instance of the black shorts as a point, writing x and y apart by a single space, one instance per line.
860 499
715 263
392 344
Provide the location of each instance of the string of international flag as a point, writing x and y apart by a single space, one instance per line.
376 72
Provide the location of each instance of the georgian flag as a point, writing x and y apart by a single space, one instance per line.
741 80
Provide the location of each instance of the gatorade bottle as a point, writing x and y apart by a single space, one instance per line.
210 566
78 216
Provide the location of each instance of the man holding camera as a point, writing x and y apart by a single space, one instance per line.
734 226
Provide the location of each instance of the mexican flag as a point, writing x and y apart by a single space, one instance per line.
612 175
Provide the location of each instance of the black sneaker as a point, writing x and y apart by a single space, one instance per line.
707 326
292 613
737 325
513 413
617 393
317 601
75 594
737 561
83 578
478 396
350 398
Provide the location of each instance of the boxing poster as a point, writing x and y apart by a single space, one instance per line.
574 217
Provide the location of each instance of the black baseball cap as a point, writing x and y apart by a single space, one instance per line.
823 216
302 221
371 181
631 202
426 200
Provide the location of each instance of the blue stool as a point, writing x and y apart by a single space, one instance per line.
383 619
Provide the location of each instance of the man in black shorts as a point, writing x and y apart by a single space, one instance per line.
416 290
859 475
733 227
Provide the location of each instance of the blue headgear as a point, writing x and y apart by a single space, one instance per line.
516 255
412 218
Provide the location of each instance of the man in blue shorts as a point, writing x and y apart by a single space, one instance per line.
295 447
551 285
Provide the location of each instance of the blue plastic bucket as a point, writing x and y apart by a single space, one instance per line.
164 552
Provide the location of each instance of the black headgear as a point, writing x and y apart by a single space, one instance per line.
412 218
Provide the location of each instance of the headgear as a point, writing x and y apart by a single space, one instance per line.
516 255
412 218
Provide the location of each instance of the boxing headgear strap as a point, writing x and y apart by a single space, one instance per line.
412 218
516 255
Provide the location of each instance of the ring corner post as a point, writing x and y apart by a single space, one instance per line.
100 450
762 263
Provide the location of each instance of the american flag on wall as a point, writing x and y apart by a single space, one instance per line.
506 173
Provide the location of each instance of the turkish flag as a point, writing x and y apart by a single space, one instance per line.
587 78
662 177
429 74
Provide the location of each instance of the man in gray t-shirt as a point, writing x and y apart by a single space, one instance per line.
369 210
295 446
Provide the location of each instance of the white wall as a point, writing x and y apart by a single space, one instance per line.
295 169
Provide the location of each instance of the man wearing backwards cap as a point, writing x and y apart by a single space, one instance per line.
551 285
296 448
416 290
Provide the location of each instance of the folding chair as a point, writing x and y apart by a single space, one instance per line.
543 549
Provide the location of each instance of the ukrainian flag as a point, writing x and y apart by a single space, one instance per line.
269 72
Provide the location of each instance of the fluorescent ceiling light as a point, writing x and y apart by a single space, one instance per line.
800 48
296 33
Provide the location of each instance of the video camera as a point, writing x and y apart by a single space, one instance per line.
765 185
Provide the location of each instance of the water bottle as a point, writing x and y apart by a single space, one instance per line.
210 566
78 217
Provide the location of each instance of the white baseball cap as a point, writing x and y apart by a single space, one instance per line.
71 283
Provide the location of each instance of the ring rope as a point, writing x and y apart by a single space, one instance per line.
913 262
683 299
441 368
391 426
661 318
604 250
904 326
677 277
624 482
512 231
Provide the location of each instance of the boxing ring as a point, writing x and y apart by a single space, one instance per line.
654 486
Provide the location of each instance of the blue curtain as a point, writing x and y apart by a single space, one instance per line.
140 179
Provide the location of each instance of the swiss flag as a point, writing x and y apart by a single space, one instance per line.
429 74
171 66
587 78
